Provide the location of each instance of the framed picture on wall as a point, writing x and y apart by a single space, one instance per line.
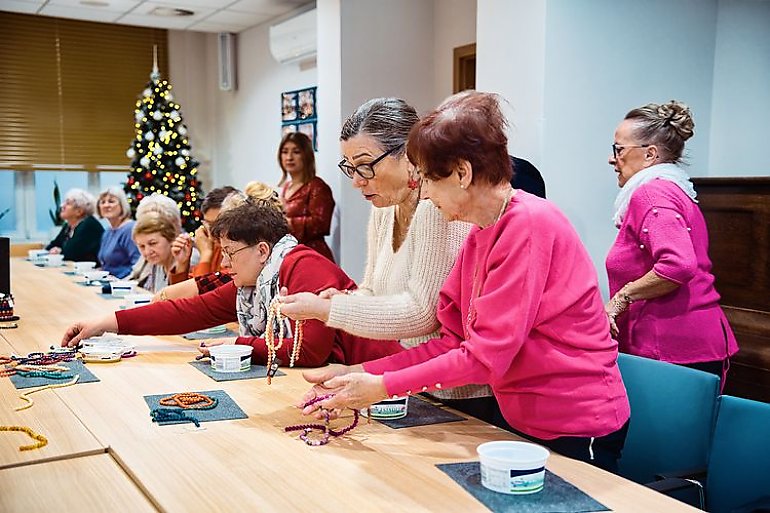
299 113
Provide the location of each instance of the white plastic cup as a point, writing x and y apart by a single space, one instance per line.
134 300
54 260
516 468
230 358
95 275
82 267
122 288
389 409
36 255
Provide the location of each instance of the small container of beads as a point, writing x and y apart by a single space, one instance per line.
230 358
122 288
389 409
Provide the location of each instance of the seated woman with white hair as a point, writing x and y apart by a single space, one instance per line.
118 252
81 235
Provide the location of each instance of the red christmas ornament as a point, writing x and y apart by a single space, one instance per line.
147 176
139 196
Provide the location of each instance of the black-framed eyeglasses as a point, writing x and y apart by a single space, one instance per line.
618 149
365 171
230 254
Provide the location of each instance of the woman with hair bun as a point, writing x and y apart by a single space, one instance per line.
663 302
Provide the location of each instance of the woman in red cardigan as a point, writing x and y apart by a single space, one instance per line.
264 257
307 199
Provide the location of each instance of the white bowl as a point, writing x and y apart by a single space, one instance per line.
82 267
134 300
389 409
54 260
95 275
516 468
230 358
120 288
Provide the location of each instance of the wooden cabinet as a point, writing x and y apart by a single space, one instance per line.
737 211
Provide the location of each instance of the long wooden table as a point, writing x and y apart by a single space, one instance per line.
249 464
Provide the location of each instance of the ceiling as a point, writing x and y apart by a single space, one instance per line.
208 15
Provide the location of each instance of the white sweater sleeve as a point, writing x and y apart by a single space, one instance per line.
365 287
411 313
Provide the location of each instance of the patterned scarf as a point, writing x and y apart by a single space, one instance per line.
253 302
670 172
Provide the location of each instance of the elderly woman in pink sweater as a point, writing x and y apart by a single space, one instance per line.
520 310
664 305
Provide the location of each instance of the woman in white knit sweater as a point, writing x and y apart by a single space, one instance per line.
411 248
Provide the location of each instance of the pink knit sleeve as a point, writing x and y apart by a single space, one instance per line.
506 309
665 234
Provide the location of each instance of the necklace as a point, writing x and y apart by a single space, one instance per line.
190 401
161 415
40 440
273 316
30 402
476 287
326 431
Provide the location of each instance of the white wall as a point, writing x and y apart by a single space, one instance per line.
598 60
237 132
740 131
454 24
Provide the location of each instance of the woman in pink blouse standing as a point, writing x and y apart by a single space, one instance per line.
520 310
664 305
307 200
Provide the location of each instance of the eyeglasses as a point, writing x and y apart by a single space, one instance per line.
230 254
365 171
617 149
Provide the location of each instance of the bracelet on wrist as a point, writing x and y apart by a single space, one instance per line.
163 296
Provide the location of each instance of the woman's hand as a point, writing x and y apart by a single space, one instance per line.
87 329
331 291
304 305
204 243
614 309
204 347
351 387
181 250
54 250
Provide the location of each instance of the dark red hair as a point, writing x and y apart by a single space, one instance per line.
466 126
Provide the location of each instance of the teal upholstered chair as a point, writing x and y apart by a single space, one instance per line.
672 417
738 476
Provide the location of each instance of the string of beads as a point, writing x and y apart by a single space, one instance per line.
161 415
30 402
326 431
190 401
274 316
40 440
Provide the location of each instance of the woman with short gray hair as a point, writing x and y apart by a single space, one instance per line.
81 235
118 252
411 247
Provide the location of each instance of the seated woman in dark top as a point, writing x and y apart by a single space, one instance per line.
81 236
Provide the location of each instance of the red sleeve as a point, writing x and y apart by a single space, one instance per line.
304 270
180 315
316 220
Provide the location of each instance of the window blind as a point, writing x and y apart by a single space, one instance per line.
69 90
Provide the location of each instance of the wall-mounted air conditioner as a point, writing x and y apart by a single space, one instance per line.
295 39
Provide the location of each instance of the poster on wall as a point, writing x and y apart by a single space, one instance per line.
299 113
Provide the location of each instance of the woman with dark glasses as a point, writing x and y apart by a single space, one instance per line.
411 247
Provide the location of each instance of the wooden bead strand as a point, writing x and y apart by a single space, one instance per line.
190 401
273 316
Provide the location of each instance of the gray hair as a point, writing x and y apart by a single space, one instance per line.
387 120
117 193
163 205
81 199
667 126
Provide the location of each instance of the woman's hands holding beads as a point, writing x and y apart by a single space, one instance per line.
350 386
87 329
304 305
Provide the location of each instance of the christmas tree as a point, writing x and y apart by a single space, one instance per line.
160 153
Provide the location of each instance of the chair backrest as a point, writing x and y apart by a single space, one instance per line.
672 417
739 465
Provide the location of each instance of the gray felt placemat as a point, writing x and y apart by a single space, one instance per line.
86 376
256 371
422 413
557 496
226 408
198 335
